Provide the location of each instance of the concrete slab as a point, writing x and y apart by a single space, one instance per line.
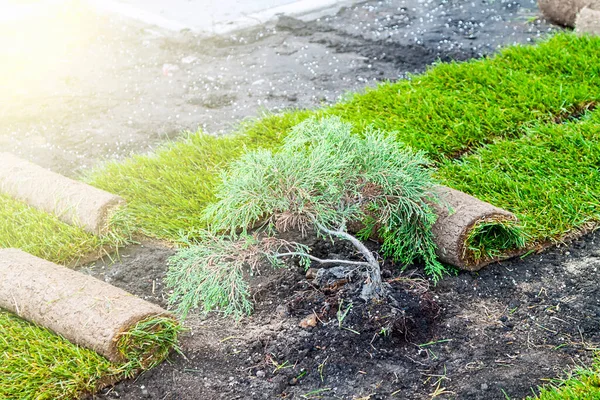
211 16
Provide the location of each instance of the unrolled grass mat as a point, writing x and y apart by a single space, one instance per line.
449 111
131 334
550 178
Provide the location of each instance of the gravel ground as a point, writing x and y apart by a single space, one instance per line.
119 87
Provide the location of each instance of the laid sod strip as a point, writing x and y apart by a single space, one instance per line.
549 178
37 364
451 109
73 202
85 310
167 191
45 236
470 233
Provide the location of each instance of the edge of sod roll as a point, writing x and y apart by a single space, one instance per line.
86 311
73 202
470 233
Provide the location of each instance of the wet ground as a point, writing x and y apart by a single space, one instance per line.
114 86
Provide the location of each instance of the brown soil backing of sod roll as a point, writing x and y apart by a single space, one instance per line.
81 308
588 22
457 214
74 202
564 12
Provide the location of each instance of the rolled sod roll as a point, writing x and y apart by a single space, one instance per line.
564 12
458 214
588 21
468 233
73 202
85 310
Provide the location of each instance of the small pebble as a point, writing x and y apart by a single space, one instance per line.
484 386
260 374
282 311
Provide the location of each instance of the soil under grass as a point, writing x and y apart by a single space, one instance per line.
500 332
473 119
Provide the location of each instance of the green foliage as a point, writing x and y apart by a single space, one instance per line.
489 239
210 273
323 174
322 177
579 384
148 343
449 109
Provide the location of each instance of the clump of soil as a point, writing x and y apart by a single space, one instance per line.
473 336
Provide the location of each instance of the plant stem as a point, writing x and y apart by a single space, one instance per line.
321 261
374 288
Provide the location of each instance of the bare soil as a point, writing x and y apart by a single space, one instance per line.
483 335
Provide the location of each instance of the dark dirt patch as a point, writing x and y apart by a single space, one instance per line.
475 335
140 270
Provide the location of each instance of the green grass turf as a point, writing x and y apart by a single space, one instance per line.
451 109
493 110
43 235
37 364
580 384
550 178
